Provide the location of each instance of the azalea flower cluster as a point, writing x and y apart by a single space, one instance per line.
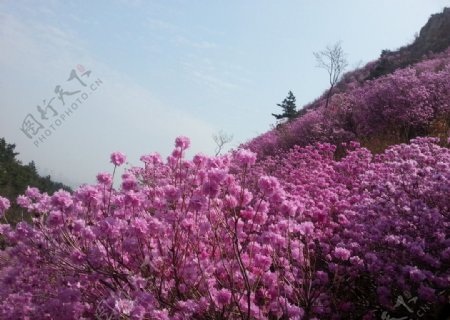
298 235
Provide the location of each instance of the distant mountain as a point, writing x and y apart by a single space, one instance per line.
15 177
434 37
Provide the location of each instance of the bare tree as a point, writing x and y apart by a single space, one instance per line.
221 139
333 60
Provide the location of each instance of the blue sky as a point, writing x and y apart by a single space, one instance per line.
180 67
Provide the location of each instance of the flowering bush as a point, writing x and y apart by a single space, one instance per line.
298 235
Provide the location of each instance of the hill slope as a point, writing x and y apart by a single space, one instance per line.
379 108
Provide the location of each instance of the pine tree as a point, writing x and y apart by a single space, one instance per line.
288 106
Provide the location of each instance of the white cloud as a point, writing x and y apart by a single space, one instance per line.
158 24
202 44
121 115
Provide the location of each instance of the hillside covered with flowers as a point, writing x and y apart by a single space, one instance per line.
393 108
402 95
298 235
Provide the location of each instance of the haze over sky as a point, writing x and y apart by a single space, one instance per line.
170 68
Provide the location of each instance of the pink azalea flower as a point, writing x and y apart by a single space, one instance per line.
118 158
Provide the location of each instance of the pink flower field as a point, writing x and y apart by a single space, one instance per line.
298 235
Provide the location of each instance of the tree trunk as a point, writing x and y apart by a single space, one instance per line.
328 96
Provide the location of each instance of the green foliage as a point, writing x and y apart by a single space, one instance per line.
289 108
15 177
